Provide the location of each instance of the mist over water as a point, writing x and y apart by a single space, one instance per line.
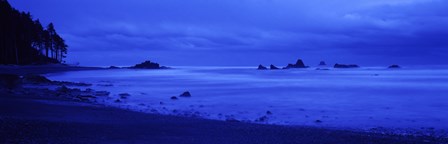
344 98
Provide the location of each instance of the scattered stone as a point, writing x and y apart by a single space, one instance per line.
185 94
273 67
322 63
262 119
89 90
318 121
394 67
124 95
268 112
174 98
63 89
85 97
346 66
299 64
261 67
196 114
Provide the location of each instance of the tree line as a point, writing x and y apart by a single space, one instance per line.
25 41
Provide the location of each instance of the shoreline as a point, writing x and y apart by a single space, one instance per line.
26 110
42 69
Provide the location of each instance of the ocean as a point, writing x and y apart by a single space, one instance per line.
361 98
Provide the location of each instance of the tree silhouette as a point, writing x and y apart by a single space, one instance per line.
23 40
38 37
51 39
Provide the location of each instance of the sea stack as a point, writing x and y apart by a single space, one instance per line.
185 94
147 65
346 66
261 67
273 67
394 66
299 64
322 63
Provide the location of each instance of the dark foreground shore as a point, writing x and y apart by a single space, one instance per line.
38 116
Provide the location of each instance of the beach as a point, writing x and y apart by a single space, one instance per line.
30 115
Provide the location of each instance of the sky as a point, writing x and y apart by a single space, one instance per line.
248 32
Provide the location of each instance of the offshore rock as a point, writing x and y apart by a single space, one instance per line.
185 94
261 67
147 65
298 64
273 67
346 66
394 66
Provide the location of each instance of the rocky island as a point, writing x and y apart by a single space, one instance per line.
298 64
273 67
322 63
394 67
261 67
345 66
148 65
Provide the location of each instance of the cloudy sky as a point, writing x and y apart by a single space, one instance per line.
248 32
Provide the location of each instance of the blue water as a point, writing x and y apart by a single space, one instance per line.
345 98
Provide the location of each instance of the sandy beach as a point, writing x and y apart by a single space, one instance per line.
29 115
